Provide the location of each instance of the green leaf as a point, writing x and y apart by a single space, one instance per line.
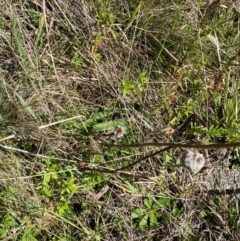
133 15
142 80
148 202
143 222
108 125
164 201
153 219
71 185
138 212
26 107
127 86
130 187
46 178
76 59
18 42
165 217
176 211
203 213
54 176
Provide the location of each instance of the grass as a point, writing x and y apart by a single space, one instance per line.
150 67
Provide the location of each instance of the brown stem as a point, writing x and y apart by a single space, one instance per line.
172 145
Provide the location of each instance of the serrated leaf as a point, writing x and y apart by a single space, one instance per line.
137 212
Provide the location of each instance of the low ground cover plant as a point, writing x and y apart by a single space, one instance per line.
93 74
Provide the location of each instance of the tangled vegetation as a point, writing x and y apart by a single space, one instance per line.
94 73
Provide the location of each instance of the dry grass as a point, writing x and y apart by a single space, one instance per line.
151 67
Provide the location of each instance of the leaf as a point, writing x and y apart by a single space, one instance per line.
127 86
54 176
176 211
108 125
153 219
133 15
203 214
165 217
18 41
143 222
130 187
40 28
76 59
148 202
26 107
138 212
142 80
46 178
164 201
71 185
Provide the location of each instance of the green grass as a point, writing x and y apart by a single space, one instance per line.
142 65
